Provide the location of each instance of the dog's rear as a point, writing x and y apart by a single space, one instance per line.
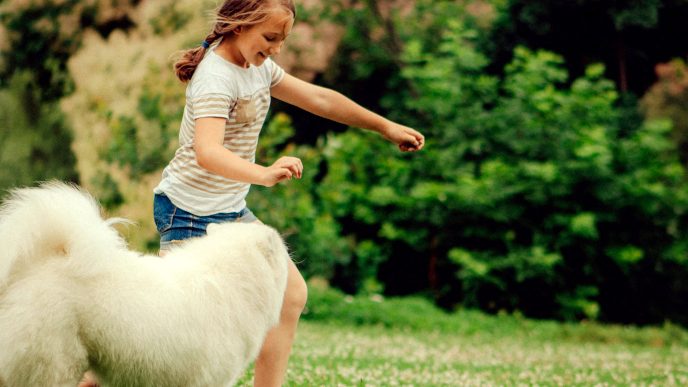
195 318
40 228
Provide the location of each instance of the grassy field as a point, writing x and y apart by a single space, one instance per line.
380 343
331 355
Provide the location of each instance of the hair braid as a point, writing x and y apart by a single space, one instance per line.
186 65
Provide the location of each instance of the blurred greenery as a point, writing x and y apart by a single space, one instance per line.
546 188
33 136
330 306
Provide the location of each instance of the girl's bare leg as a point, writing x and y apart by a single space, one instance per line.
271 365
89 380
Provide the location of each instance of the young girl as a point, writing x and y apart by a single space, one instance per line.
231 79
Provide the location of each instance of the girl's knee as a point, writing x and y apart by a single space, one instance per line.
295 297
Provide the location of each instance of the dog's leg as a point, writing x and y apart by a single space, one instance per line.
30 361
39 339
36 365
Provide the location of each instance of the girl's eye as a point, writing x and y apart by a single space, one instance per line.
270 38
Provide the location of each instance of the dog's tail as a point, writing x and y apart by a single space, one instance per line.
55 219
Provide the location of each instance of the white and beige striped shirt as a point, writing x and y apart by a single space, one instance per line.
219 88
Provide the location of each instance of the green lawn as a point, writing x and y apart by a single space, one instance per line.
368 350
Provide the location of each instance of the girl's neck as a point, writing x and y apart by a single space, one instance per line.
225 51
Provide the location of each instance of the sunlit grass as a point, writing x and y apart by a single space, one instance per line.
332 355
481 351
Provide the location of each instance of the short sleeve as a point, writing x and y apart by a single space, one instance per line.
276 73
209 95
210 105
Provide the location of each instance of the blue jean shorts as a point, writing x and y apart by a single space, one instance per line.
176 225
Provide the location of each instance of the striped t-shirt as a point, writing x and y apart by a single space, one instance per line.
219 88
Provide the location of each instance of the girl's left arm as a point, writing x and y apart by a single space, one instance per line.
335 106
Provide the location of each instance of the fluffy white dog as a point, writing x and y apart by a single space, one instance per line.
73 297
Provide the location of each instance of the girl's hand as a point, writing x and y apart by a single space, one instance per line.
284 168
407 139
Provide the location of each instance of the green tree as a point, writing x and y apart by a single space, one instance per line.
33 143
629 37
532 188
41 36
667 99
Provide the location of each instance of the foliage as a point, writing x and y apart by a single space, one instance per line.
528 189
33 143
44 34
417 314
141 143
40 38
629 37
667 99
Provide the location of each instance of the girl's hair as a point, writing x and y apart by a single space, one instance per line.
231 15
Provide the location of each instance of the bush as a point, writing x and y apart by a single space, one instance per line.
419 314
34 137
534 191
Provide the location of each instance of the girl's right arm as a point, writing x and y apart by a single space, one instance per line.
213 156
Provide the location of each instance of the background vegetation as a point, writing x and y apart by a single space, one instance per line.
553 183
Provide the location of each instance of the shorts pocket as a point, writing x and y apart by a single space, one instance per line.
163 212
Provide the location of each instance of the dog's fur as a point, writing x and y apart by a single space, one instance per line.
73 297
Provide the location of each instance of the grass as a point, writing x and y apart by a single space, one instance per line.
371 342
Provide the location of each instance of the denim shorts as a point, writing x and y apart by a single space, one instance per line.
176 225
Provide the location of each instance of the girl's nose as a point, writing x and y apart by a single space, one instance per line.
275 50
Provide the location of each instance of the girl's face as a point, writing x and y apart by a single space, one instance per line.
253 45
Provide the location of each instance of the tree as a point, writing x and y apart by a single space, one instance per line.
532 193
41 37
33 143
667 99
629 37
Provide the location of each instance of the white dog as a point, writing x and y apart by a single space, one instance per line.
73 297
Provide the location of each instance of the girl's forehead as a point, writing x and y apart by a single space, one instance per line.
280 21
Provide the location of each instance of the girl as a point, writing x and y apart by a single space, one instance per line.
231 79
